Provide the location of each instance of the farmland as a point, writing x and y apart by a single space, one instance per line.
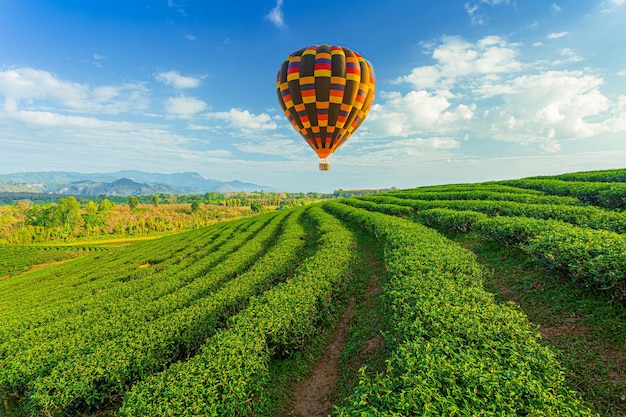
500 298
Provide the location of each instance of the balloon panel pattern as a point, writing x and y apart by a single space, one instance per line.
326 92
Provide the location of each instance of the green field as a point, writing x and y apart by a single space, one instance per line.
494 299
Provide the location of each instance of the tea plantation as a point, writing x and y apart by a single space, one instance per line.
198 323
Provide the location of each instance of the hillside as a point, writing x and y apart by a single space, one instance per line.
501 298
120 183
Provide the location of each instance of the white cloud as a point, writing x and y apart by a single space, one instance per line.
37 88
402 152
622 73
482 89
174 79
276 15
184 107
474 10
476 18
495 2
276 146
421 77
568 56
551 146
610 6
190 37
243 119
555 8
417 112
195 126
555 105
50 119
557 35
456 57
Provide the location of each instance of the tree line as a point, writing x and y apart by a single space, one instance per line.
25 221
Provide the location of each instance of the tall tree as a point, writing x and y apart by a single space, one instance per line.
133 202
68 210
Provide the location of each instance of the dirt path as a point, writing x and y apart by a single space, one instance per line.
314 395
357 330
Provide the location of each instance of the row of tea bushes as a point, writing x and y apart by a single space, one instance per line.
455 351
229 376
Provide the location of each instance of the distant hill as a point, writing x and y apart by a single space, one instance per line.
120 183
122 187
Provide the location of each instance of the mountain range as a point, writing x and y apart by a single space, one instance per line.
120 183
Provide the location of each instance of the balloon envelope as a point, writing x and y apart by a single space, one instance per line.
326 92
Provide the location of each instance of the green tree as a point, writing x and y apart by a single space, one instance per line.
133 202
91 216
257 207
106 205
42 215
91 207
69 208
195 206
155 200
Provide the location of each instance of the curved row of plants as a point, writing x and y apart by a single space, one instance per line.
593 258
605 175
230 374
455 351
81 273
93 285
603 194
117 342
480 194
587 216
15 260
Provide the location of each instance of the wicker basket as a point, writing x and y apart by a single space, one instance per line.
324 166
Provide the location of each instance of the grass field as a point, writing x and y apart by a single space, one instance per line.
485 299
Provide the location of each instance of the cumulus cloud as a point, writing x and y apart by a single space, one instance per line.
174 79
557 35
483 89
243 119
276 15
416 112
555 9
184 107
568 56
456 57
552 105
37 88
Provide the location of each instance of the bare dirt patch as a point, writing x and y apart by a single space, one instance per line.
314 396
568 326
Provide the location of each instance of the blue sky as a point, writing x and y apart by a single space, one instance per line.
466 91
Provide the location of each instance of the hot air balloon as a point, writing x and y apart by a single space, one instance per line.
326 92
